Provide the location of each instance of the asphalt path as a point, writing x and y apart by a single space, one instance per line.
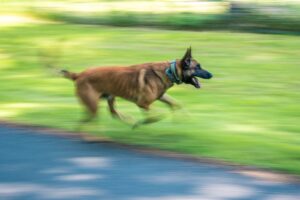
38 166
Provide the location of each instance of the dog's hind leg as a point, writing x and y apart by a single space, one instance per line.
89 98
170 102
111 103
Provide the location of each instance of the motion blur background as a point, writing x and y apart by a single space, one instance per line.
249 113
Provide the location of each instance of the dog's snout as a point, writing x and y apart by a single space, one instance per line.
209 75
205 74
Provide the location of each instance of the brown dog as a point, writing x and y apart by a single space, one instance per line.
141 84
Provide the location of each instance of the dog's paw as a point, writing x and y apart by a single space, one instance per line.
136 125
176 107
124 118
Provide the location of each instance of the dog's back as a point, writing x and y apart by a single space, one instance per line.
131 83
142 84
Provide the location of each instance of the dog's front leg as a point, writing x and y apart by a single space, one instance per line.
170 102
150 117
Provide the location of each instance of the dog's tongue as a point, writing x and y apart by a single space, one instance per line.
195 82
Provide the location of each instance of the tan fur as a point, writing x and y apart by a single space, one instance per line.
141 84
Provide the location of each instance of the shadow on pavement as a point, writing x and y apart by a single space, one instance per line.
34 166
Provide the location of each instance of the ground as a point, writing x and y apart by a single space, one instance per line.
38 165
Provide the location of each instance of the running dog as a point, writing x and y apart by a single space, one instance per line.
142 84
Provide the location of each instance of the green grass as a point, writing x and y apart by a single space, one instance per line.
247 16
248 113
191 21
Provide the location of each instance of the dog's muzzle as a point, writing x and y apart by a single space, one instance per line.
203 74
192 79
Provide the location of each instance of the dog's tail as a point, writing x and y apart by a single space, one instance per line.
69 75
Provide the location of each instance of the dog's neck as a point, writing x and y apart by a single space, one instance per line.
172 73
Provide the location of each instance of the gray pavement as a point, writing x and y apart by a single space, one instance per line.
38 166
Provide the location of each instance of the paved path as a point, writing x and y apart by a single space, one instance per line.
36 166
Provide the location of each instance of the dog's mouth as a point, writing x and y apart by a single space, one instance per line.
201 74
195 82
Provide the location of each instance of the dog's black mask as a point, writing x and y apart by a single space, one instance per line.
192 69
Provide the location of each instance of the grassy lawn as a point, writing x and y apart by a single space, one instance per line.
249 113
264 16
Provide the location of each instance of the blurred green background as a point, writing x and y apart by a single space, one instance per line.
249 113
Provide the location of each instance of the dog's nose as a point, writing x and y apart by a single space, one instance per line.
209 75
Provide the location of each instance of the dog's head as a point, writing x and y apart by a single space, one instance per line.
191 69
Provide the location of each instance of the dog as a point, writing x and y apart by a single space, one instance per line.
141 84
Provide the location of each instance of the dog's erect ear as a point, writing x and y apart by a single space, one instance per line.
188 54
186 60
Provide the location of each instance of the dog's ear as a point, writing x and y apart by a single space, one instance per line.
186 60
